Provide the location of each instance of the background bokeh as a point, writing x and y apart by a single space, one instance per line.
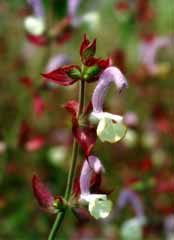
35 131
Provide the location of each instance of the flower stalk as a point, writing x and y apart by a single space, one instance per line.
60 215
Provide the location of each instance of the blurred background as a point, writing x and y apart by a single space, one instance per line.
35 131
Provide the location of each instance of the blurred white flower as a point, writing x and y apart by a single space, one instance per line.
34 25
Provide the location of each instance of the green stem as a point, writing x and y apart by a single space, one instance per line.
60 215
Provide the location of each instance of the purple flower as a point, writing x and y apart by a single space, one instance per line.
72 7
148 51
127 196
109 75
57 61
90 166
169 226
37 7
131 119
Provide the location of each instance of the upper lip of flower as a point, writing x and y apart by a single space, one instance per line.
128 196
109 75
92 164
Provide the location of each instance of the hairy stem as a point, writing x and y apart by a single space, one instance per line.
60 215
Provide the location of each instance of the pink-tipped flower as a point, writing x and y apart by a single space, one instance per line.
148 51
109 75
43 195
37 7
127 196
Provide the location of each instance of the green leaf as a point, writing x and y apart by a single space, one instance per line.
109 131
100 208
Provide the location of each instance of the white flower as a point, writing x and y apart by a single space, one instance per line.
34 25
110 127
98 204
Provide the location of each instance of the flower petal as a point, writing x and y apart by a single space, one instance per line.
110 131
100 208
90 166
109 75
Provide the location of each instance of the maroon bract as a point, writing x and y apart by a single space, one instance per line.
42 194
86 137
35 143
38 40
39 105
64 76
122 6
87 49
26 81
72 107
24 133
144 11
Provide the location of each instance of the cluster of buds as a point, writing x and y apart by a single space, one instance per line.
109 127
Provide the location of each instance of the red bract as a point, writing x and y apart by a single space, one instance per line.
84 44
72 107
35 143
39 105
86 137
64 37
38 40
64 76
122 6
148 37
104 63
146 164
26 81
24 133
87 49
165 187
144 11
118 58
42 194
